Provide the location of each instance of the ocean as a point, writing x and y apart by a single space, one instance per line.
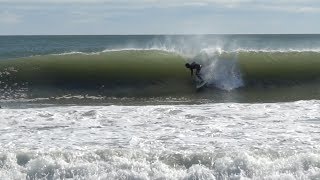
125 107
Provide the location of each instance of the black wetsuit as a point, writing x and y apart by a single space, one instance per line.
197 67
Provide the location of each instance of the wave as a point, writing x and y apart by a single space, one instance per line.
125 72
263 67
154 72
122 164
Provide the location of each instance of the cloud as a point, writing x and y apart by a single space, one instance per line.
295 6
9 18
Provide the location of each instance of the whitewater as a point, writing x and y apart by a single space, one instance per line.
125 107
209 141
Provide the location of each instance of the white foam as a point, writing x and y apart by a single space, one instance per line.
209 141
141 49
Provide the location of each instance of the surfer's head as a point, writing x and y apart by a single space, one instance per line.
187 65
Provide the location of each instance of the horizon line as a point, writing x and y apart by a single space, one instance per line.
169 34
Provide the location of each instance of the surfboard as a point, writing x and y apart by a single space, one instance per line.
200 85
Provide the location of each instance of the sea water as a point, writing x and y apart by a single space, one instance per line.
125 107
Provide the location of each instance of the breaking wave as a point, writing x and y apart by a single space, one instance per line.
154 72
116 164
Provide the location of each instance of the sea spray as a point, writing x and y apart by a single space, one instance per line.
219 71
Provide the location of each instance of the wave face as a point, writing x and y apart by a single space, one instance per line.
236 66
249 68
280 66
149 73
125 72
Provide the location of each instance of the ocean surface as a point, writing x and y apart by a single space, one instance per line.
125 107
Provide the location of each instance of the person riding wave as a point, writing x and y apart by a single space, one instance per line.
195 66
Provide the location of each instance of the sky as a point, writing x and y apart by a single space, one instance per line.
92 17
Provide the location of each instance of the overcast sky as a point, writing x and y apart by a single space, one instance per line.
158 16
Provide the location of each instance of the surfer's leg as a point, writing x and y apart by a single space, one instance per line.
198 75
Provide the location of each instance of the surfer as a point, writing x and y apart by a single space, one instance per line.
197 67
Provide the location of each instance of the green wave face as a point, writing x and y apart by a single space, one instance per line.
263 68
276 66
126 73
152 73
